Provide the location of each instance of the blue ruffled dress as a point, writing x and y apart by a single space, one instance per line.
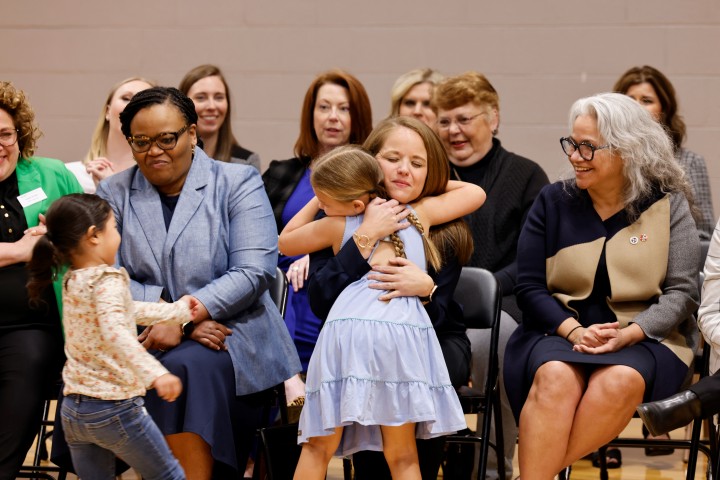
378 363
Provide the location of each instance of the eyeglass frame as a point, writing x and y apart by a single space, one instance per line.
576 146
154 139
17 137
460 122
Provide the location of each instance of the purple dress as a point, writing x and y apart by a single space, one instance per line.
303 325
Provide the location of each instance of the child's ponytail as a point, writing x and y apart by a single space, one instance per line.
67 220
43 267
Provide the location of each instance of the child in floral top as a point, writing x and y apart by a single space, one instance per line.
107 370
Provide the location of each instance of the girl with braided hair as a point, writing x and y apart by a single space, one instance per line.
377 378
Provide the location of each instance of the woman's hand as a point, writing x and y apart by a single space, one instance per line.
298 271
30 237
599 338
161 337
211 334
99 169
383 217
611 338
401 278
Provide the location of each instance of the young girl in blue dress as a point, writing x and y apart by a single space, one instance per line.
377 378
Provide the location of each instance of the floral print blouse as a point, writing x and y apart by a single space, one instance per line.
104 358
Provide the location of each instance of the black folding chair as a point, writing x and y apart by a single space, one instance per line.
278 443
479 294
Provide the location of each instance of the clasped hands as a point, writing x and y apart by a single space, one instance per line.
599 338
207 332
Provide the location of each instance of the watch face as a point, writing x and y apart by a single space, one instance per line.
188 328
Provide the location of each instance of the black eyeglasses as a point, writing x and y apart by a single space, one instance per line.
586 149
164 141
8 138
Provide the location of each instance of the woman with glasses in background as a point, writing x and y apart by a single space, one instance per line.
468 118
209 91
31 343
607 282
651 89
194 226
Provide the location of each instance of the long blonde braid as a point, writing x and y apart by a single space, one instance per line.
432 254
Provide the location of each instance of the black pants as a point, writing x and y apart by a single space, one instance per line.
30 363
372 465
708 391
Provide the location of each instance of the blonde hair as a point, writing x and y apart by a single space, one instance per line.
348 172
98 143
408 80
451 238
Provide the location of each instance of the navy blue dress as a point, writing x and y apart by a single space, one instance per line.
532 345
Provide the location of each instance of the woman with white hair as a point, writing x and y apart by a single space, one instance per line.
607 282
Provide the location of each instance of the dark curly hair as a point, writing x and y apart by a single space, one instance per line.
16 104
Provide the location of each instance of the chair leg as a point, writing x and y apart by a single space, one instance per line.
499 434
347 469
602 460
694 451
565 473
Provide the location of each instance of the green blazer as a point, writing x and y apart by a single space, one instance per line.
56 180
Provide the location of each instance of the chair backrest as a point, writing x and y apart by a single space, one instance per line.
279 291
704 247
478 293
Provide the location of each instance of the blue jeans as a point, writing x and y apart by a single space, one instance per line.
99 430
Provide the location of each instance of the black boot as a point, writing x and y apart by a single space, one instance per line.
673 412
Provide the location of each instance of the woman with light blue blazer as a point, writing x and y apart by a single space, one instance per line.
193 226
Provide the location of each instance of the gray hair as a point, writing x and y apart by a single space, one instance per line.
644 145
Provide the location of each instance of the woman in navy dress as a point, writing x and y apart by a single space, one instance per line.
607 281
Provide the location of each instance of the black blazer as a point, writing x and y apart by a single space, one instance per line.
280 179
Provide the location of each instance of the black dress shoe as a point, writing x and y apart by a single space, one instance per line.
673 412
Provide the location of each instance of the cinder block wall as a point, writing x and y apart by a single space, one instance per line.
540 55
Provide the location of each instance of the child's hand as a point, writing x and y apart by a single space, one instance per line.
168 387
197 309
189 300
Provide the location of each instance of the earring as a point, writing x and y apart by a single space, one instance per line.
192 151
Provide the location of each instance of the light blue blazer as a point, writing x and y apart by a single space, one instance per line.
221 247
